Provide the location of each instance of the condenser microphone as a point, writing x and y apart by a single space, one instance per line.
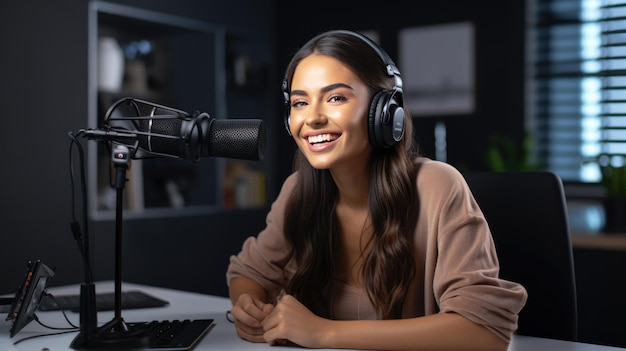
203 136
169 132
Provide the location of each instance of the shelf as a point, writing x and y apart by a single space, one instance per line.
179 63
601 241
587 220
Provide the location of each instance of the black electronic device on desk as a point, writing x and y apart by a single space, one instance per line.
104 301
29 295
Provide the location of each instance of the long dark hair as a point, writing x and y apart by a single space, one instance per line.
310 223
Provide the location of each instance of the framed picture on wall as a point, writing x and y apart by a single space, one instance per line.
438 71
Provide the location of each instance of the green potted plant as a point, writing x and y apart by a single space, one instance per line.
614 182
504 154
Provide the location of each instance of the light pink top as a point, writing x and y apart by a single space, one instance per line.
351 303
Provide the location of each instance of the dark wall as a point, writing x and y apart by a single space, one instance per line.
44 77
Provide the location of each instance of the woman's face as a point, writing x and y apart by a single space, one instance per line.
328 116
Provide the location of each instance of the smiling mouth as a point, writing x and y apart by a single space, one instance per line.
322 138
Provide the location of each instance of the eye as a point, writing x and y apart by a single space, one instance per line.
298 103
337 98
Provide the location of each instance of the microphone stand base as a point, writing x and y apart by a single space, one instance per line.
114 335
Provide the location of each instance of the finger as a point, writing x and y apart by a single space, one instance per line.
244 316
267 309
253 335
260 304
249 330
258 310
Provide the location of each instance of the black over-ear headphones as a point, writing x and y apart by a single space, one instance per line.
386 113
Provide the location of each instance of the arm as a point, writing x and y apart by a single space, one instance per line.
257 274
291 321
240 286
459 253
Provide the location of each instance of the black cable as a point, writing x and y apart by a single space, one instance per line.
72 328
41 335
82 240
56 301
229 317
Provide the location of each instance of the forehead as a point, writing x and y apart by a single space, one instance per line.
320 69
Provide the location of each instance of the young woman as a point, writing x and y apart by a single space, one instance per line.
368 245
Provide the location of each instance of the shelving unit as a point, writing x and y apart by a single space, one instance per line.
180 63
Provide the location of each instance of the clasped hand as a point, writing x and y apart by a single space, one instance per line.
287 321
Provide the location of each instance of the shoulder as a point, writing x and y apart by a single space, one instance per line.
437 174
440 185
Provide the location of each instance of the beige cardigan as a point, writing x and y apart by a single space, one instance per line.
457 263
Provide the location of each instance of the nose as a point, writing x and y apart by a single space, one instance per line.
316 118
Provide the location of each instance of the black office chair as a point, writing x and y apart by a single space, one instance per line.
527 214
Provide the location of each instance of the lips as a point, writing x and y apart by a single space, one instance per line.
322 138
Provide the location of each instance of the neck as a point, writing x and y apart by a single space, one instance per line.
353 188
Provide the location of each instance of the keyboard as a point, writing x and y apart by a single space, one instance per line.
174 335
104 301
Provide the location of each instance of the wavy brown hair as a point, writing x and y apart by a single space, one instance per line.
310 222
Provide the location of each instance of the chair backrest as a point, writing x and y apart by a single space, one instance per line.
527 215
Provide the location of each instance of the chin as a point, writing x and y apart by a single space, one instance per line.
319 165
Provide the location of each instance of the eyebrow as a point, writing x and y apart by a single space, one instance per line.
323 90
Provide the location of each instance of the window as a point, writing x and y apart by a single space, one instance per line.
577 85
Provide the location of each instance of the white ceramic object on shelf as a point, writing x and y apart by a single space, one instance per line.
110 65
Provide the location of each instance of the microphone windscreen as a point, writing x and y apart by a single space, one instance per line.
243 139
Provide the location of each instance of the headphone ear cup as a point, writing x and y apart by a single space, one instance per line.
374 119
285 89
286 120
386 119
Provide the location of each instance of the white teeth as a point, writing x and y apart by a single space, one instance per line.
321 138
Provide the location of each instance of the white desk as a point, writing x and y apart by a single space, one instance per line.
186 305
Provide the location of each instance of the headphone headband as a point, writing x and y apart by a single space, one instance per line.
390 66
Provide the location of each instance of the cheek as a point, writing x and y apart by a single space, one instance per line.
296 118
360 121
